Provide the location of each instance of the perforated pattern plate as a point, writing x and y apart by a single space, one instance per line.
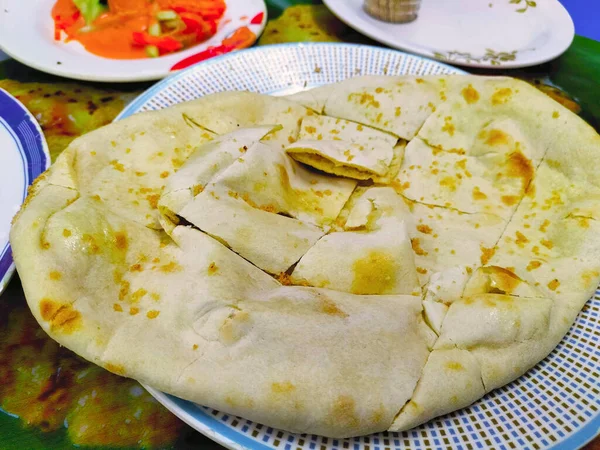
554 405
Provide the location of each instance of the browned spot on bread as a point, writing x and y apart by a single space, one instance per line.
589 278
117 307
66 233
153 200
137 295
400 187
212 268
462 164
196 189
136 268
115 368
449 182
177 162
448 126
486 254
533 265
284 387
343 413
497 137
454 365
546 243
374 274
521 239
510 200
421 270
553 285
544 225
239 401
55 275
416 246
478 195
170 267
164 174
121 240
124 289
117 165
501 96
152 314
470 94
63 318
364 99
133 310
328 307
425 229
520 167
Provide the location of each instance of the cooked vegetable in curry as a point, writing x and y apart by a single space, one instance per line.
134 29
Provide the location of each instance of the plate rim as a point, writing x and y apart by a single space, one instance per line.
129 77
213 428
505 65
45 163
134 105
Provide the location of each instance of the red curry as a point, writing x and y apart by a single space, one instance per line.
133 29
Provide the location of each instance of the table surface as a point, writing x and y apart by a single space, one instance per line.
578 72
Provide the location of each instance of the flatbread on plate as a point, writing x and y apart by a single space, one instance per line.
187 249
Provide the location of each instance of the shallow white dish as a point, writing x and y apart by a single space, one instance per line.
497 34
27 34
23 156
555 405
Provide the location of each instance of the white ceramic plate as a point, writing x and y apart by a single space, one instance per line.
23 156
495 34
555 405
27 34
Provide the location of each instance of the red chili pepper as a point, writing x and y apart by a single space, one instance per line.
195 24
243 37
240 38
207 13
165 44
62 23
210 52
257 19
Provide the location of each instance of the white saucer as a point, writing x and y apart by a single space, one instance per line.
27 34
24 157
495 34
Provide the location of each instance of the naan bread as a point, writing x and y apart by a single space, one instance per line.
374 250
187 249
343 148
205 163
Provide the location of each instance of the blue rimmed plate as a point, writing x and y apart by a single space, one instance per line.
555 405
23 156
